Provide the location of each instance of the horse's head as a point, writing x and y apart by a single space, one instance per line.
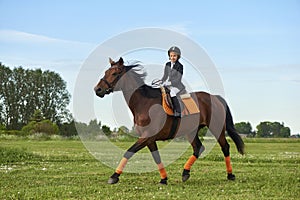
108 83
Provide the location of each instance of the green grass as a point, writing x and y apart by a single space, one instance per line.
63 169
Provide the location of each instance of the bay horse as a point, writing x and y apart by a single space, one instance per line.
152 124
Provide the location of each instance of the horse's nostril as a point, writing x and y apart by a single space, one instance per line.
98 90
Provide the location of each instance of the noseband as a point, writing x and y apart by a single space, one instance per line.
110 86
109 89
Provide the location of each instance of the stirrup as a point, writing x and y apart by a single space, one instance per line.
177 114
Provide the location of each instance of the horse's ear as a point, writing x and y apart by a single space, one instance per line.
121 61
111 61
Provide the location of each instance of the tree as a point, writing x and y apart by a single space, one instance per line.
18 91
243 128
54 97
48 93
285 132
272 129
68 129
123 130
2 127
275 128
24 91
263 129
1 113
37 116
106 130
82 129
87 131
5 82
93 128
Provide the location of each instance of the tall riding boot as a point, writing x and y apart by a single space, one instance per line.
176 107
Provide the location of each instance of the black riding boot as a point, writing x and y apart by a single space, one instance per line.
176 107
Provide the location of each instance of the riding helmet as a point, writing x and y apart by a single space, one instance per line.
175 50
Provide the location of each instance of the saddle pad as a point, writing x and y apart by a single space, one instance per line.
190 105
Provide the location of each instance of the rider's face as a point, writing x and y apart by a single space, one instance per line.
173 57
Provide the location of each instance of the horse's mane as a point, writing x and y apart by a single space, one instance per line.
136 70
150 92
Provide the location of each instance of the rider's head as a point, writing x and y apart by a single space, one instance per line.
174 54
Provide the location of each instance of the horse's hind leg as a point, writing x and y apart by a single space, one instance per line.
198 148
225 149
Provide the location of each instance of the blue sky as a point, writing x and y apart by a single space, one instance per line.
255 45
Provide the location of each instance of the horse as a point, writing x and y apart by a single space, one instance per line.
153 124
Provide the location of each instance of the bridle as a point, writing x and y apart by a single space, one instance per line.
110 86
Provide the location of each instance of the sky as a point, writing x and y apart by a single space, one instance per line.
255 45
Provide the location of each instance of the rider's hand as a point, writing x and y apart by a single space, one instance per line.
167 83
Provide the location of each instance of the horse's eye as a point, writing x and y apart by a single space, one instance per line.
115 74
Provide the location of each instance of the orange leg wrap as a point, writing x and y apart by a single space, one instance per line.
121 166
162 171
190 162
228 165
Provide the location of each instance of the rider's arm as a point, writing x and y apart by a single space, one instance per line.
166 73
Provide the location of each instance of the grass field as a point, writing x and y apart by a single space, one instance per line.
63 169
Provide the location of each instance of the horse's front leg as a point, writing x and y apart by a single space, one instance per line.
198 149
155 154
141 143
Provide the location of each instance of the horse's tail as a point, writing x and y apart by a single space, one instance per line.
231 129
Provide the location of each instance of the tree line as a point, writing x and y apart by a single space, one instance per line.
263 129
32 100
23 91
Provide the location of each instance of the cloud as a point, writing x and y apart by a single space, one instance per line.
290 78
13 36
38 51
22 48
179 27
239 31
281 73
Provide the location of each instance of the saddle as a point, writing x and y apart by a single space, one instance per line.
187 103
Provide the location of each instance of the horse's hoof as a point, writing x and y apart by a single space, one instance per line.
231 177
164 181
113 180
185 175
185 178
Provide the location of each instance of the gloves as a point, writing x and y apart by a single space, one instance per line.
167 83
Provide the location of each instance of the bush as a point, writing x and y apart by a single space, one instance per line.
45 126
2 127
29 128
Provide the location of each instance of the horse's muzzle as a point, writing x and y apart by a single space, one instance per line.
100 93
